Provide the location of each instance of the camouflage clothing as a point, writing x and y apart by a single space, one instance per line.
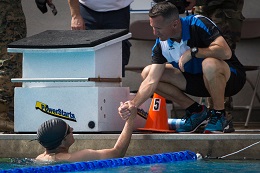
12 28
227 14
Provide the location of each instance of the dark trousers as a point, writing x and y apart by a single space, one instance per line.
118 19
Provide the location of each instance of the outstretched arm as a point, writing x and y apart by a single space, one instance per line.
149 85
120 147
77 22
146 89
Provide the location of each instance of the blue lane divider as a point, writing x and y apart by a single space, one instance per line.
109 163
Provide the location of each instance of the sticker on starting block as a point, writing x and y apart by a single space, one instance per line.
55 112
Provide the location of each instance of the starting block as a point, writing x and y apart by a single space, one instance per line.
73 75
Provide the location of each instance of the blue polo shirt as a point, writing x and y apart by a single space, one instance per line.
197 31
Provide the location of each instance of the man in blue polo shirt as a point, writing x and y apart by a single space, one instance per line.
190 57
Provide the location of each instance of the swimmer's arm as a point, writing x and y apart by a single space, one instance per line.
119 148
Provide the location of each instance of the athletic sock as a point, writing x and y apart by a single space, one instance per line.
194 108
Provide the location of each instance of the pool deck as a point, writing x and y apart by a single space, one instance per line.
211 145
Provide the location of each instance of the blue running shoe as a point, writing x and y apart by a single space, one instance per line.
216 123
193 121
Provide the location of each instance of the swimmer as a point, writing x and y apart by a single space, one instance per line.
56 136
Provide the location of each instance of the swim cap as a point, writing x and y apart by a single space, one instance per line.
51 133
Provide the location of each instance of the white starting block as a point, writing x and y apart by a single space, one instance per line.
79 83
86 109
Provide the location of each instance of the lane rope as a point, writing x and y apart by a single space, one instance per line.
109 163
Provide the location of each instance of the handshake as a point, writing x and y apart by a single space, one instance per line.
41 4
180 4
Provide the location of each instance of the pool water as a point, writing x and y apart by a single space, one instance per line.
12 163
201 166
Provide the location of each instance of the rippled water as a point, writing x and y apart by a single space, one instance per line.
201 166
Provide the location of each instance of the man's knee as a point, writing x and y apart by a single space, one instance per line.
212 66
209 64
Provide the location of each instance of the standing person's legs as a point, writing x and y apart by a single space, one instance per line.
118 19
91 18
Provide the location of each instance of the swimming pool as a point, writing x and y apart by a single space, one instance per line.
98 164
202 166
183 166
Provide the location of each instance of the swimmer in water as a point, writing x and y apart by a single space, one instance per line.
56 136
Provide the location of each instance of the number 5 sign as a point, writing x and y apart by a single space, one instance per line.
156 104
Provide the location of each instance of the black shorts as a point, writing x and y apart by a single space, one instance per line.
196 87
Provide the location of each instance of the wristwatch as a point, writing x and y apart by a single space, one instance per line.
193 51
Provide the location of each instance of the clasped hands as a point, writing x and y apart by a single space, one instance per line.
127 110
